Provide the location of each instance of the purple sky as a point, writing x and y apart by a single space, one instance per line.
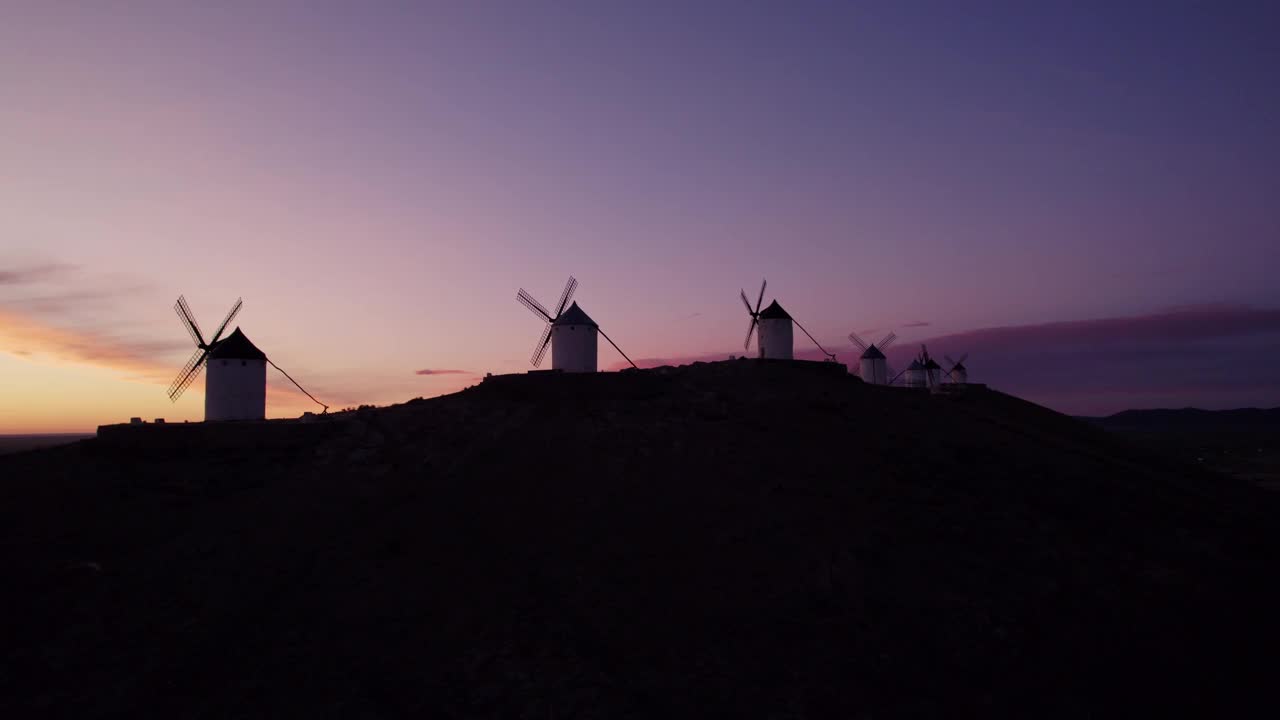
376 179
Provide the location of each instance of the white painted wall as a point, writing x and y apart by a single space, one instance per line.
235 390
874 371
914 378
573 348
775 338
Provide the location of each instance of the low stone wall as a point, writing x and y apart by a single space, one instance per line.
253 435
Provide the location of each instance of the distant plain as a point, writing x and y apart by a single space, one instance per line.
19 443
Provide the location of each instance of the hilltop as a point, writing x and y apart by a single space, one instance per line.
727 539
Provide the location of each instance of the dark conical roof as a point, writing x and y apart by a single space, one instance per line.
575 316
872 353
915 365
958 366
774 312
931 365
236 347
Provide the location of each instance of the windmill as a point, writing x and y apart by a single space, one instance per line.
236 388
913 376
570 333
775 338
923 372
958 374
932 370
872 365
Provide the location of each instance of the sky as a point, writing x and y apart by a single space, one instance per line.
1080 195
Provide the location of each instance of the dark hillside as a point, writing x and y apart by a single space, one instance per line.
1242 443
731 539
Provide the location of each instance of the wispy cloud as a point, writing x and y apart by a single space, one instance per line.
27 337
32 273
429 371
55 311
916 324
1175 325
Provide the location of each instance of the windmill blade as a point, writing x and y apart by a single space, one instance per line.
760 299
569 287
950 362
853 338
527 300
189 320
191 329
962 359
235 310
188 374
888 340
186 383
746 302
746 344
541 350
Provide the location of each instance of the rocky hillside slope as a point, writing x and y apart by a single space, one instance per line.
730 539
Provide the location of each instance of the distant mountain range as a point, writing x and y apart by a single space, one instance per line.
1190 419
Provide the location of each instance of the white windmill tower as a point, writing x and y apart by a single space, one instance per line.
923 372
958 374
775 340
872 366
932 370
236 387
570 333
913 376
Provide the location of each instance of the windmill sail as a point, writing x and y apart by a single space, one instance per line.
191 370
755 314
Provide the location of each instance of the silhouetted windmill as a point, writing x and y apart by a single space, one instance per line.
872 365
570 333
923 372
236 388
913 376
958 373
932 370
775 338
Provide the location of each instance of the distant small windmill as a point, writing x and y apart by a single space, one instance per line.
872 366
236 387
913 376
570 333
958 373
932 370
923 372
775 339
